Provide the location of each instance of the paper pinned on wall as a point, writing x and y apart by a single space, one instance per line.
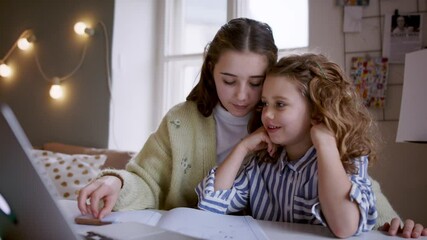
402 35
352 19
370 75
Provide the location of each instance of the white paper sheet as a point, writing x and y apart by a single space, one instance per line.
352 19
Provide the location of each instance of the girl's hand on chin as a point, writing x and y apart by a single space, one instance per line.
259 140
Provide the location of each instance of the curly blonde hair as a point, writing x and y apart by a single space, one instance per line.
334 102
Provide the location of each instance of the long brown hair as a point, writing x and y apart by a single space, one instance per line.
240 34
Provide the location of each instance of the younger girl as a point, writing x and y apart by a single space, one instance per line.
309 160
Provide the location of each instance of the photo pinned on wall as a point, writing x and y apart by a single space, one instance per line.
369 75
353 2
402 34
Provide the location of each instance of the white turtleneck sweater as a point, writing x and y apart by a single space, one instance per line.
229 131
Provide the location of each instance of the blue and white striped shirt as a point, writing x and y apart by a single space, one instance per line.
285 191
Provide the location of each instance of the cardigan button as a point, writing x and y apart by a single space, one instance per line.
176 122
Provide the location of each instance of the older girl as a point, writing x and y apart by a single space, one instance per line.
195 135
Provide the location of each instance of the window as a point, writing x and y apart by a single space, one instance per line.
287 18
191 24
148 81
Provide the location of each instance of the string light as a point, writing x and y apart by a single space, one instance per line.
82 28
56 91
5 70
25 42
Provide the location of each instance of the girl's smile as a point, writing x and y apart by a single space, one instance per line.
286 113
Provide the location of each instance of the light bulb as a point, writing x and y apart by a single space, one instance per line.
5 70
55 91
24 44
81 28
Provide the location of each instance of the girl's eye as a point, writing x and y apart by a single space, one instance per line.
280 104
229 82
260 106
256 84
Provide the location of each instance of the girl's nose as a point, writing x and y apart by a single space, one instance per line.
268 112
242 92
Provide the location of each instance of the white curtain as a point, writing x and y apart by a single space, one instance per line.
133 74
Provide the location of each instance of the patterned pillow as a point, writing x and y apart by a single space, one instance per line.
69 173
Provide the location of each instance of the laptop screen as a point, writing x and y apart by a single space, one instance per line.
27 208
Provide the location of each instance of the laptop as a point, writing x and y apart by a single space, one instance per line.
28 207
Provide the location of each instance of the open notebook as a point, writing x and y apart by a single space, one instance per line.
189 221
28 207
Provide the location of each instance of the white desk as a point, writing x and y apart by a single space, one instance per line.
284 230
274 230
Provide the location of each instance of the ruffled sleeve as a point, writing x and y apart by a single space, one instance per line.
361 193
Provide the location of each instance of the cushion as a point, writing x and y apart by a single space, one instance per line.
115 159
69 173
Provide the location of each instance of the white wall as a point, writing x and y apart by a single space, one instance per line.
325 24
133 64
402 167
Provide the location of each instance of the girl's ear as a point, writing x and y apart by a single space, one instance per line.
316 119
315 115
